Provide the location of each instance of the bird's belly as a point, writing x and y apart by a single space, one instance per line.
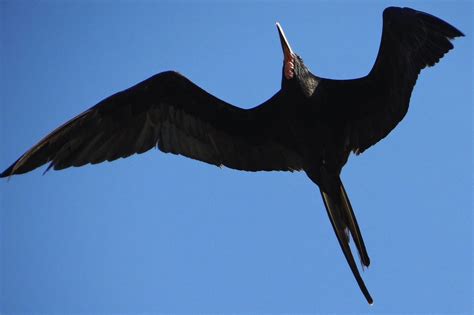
320 143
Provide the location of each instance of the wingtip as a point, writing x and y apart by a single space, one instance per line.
7 173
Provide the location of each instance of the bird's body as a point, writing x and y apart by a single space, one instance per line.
312 124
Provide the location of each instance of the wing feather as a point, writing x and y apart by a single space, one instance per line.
411 41
170 112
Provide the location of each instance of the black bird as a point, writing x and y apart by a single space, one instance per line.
312 124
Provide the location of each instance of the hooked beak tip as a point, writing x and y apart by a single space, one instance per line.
287 51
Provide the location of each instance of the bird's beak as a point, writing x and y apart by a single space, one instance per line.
287 51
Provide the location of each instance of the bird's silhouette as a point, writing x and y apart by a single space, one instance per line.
311 124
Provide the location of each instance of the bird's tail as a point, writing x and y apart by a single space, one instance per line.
353 226
344 222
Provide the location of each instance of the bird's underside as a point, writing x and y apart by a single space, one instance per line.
311 124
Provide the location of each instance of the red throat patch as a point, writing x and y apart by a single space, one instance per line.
289 68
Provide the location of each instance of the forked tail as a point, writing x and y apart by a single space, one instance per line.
343 221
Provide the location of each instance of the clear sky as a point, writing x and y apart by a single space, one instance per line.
159 233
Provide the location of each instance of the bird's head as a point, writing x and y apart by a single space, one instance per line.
295 73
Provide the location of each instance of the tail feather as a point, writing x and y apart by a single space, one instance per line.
351 222
336 214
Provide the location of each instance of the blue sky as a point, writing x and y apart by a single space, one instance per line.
158 233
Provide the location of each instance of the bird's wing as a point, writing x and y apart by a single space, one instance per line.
170 112
411 41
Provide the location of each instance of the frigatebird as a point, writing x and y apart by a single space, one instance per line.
311 124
